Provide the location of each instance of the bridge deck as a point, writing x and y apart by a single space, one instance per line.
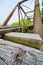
31 56
33 40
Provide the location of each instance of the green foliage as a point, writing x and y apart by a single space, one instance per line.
42 14
42 3
14 24
42 25
30 31
28 22
25 22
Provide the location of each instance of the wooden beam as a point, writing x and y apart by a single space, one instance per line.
37 19
32 40
6 30
22 17
12 12
23 11
19 14
9 16
22 1
30 12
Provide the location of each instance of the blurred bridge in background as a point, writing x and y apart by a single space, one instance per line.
36 18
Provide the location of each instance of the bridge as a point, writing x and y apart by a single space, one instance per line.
9 38
37 19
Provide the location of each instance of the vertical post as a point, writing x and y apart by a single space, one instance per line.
42 28
19 14
37 19
22 17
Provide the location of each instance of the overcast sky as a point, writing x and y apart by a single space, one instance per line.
6 7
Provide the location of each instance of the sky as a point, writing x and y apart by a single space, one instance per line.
6 7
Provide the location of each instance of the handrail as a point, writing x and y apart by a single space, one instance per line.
4 30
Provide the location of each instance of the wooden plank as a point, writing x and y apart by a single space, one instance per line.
6 30
31 55
33 40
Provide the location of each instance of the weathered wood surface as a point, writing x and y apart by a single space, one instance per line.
42 41
6 30
31 57
37 19
25 38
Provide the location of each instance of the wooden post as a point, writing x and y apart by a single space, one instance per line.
19 14
37 19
